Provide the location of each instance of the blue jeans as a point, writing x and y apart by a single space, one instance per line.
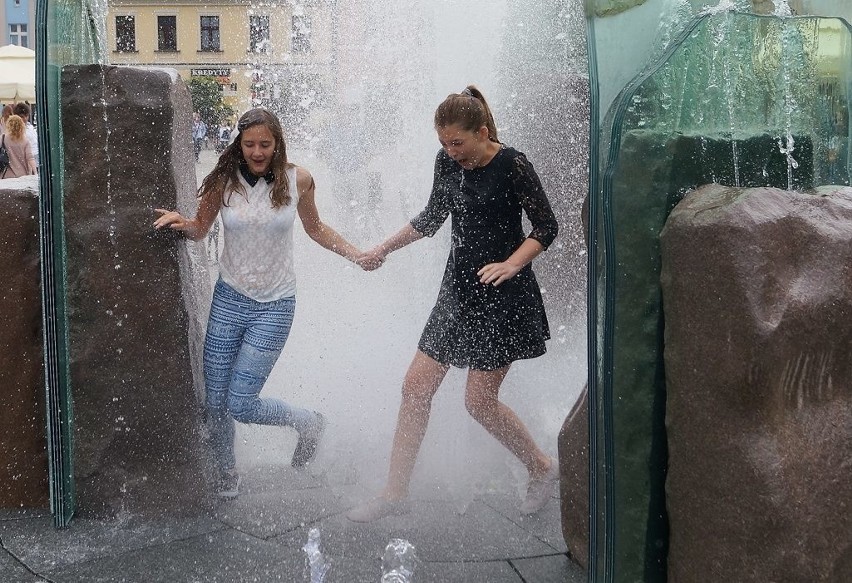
244 339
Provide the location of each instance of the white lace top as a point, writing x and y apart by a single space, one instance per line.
257 255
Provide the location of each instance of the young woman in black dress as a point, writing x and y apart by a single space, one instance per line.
489 311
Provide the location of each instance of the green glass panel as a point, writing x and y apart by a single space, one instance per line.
680 98
67 32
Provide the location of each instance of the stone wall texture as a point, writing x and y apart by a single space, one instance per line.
135 333
757 291
23 443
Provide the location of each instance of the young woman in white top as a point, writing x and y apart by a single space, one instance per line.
258 193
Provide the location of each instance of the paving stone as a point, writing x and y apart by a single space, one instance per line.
438 532
12 571
484 572
219 557
257 479
545 525
274 512
551 569
42 547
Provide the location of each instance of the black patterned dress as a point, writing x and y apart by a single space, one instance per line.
482 326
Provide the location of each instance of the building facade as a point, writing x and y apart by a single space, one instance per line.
274 53
18 23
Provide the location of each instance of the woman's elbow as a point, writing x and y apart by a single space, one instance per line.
314 232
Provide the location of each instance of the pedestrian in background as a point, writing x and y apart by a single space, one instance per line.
199 134
24 111
21 160
4 117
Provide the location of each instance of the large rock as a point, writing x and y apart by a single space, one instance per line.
650 175
573 444
135 331
23 445
757 292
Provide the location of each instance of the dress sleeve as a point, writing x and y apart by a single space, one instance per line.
534 202
437 209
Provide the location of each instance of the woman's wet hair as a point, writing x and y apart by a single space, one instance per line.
468 110
15 127
228 167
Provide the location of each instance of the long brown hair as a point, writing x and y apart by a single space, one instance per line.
467 109
228 167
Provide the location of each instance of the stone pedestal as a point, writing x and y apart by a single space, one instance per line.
137 298
757 292
23 443
574 479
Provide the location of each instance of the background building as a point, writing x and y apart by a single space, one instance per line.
18 23
277 54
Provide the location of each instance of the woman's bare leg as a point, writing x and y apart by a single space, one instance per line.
422 380
481 401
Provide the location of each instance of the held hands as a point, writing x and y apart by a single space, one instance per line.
497 273
371 259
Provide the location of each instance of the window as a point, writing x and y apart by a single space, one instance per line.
209 33
125 34
167 33
259 34
301 34
18 34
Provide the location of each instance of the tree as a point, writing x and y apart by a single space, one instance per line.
208 102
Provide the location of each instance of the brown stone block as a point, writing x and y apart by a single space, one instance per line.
758 331
23 453
573 443
134 295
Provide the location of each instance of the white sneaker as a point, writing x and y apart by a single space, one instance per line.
309 439
541 489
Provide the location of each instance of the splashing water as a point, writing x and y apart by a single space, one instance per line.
316 565
398 562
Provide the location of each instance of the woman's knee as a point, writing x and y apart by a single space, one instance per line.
422 380
481 407
482 392
417 390
242 408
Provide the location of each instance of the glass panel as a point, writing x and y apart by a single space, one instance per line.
710 95
67 33
259 34
125 33
209 33
167 33
301 41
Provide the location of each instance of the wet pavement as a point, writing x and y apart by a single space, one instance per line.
258 537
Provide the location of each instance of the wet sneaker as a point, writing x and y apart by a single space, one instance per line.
229 485
541 489
306 446
378 508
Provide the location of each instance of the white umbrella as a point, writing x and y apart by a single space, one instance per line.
17 74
